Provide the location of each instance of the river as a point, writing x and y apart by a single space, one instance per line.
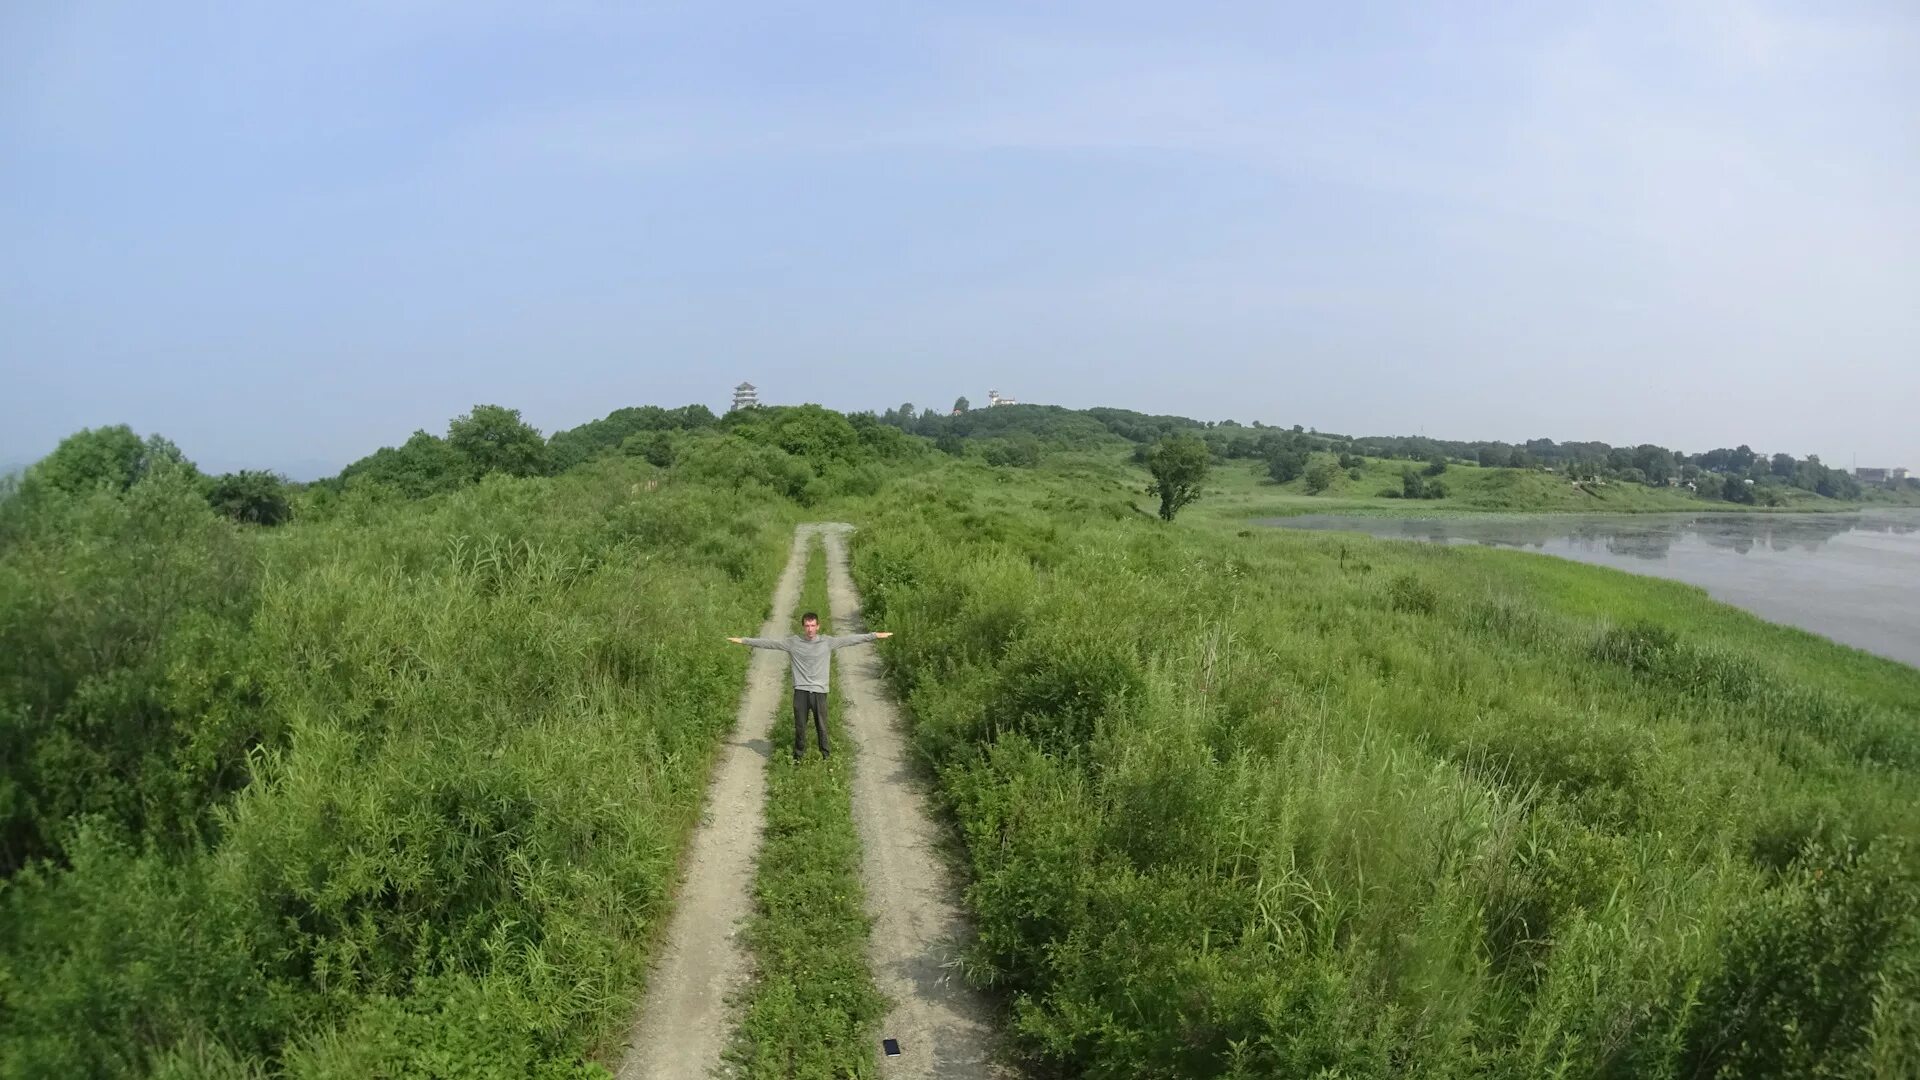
1853 577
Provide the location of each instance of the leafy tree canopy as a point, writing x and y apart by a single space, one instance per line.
575 445
1179 466
1320 476
112 457
493 438
424 465
821 436
251 497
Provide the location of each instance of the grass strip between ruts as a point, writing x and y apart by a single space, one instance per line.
812 1009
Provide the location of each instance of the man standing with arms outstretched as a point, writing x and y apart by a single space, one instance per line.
811 657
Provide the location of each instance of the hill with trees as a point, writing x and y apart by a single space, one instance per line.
1737 476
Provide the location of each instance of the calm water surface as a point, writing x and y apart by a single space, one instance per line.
1852 577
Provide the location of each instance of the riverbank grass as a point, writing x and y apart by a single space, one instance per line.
1238 490
1243 802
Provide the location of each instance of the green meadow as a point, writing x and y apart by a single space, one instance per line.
398 787
1266 803
1245 490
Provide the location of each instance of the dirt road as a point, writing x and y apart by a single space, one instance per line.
685 1022
942 1027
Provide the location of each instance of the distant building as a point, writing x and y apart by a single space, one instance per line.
994 398
1899 475
1879 476
745 396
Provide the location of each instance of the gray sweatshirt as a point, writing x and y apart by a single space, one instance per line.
812 660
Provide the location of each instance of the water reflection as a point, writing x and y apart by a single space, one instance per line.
1637 536
1853 577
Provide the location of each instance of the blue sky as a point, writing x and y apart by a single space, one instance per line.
286 235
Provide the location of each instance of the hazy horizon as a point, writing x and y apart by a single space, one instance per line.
296 468
284 239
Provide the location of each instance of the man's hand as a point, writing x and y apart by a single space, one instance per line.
883 634
738 641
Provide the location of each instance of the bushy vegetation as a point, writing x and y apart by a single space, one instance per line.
115 458
802 452
395 790
1297 805
1735 475
251 497
1423 484
614 431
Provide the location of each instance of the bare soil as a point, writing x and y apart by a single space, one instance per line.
687 1019
943 1028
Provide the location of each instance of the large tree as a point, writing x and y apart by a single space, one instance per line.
493 438
1284 465
574 445
112 457
251 497
821 436
1320 476
1655 462
1179 466
422 466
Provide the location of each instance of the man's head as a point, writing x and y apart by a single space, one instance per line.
810 625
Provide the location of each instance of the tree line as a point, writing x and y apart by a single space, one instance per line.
807 451
1735 474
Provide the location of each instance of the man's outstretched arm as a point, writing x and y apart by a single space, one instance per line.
760 642
843 640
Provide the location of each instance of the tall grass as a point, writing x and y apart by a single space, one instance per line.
408 783
398 790
1293 805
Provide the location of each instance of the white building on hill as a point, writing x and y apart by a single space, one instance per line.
994 398
745 396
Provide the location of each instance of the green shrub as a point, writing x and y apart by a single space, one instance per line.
1410 594
250 498
736 462
449 1028
1641 647
1803 965
106 599
424 465
405 800
655 447
1020 451
1286 465
1054 689
110 458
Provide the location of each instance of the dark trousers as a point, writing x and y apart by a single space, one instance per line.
804 702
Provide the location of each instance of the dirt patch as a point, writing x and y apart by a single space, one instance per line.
686 1020
943 1028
